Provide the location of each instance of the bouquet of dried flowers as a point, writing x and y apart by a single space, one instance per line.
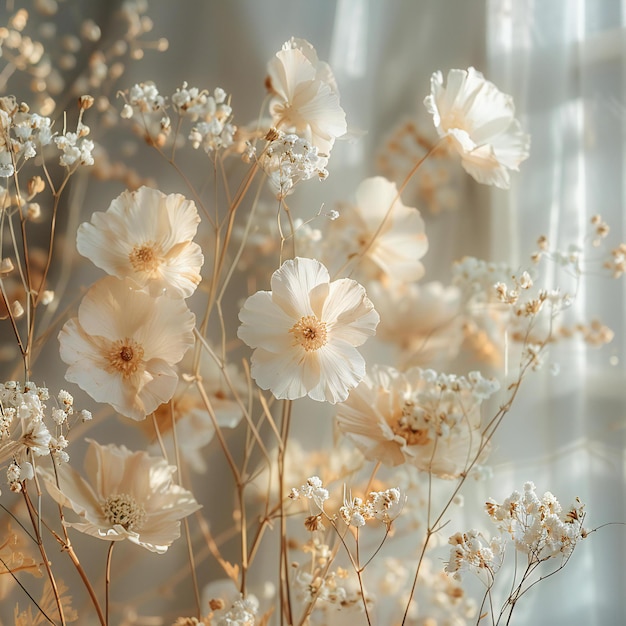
224 314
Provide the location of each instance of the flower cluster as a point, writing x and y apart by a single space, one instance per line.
29 430
332 592
539 527
472 552
210 114
289 159
313 489
133 343
24 135
383 506
134 326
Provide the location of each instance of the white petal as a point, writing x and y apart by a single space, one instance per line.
348 312
264 323
300 287
341 369
289 375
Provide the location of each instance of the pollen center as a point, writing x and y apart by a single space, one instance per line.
309 332
123 509
125 356
145 257
412 425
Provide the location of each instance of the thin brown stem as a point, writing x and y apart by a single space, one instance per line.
107 584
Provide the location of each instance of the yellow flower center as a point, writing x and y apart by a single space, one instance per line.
123 509
310 333
145 258
125 356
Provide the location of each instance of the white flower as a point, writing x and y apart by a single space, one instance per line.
419 417
305 98
305 331
126 495
478 120
389 235
123 345
146 235
422 319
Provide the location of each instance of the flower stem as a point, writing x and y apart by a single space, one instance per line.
108 582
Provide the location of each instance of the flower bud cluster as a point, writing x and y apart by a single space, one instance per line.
211 114
472 552
383 506
313 490
28 430
538 526
289 159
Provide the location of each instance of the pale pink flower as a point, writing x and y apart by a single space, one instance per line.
305 332
418 417
125 495
479 122
385 236
305 99
146 235
122 347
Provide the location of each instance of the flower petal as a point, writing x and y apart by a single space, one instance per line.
349 313
300 287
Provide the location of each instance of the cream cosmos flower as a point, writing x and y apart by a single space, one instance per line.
419 417
123 346
147 236
126 495
478 121
305 97
389 235
305 331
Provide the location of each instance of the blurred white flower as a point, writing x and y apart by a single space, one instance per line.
387 235
122 347
478 121
305 99
419 417
126 495
146 235
305 332
423 320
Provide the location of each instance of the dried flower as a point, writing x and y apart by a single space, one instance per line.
146 235
126 495
478 121
305 332
305 99
122 347
419 417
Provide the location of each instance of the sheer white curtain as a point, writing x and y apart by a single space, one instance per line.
563 61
